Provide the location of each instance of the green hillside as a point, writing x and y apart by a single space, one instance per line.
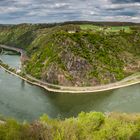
72 56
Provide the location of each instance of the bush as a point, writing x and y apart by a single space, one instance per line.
87 126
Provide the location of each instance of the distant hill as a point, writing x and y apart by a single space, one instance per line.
107 23
102 23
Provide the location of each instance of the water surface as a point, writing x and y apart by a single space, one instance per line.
23 101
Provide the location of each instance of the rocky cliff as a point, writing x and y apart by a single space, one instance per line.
68 55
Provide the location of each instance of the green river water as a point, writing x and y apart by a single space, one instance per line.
23 101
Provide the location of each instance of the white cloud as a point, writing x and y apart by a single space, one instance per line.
61 10
23 2
5 10
121 6
59 5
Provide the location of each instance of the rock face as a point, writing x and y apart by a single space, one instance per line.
77 67
74 75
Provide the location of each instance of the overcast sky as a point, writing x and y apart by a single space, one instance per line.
40 11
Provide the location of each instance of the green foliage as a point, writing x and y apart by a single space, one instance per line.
19 36
93 120
12 130
87 126
44 118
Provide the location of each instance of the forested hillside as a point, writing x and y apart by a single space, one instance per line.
73 56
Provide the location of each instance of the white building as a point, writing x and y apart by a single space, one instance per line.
18 71
71 32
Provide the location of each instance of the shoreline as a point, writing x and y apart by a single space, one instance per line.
65 89
83 90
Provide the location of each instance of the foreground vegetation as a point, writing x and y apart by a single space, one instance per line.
87 126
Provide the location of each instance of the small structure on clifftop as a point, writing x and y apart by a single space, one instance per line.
71 28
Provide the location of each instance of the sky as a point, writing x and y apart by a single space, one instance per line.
48 11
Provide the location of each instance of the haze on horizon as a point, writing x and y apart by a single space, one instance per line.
42 11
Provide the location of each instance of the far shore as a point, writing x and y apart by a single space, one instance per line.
131 80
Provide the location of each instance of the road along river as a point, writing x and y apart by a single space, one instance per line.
23 101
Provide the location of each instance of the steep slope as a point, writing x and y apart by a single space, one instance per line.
83 58
19 35
67 55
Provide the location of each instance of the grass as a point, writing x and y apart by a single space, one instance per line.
118 28
91 27
109 29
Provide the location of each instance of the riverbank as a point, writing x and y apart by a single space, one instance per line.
132 80
62 89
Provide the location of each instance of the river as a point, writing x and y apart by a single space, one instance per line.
23 101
